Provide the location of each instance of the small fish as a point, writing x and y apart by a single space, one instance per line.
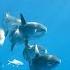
15 62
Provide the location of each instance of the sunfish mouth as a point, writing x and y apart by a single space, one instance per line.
53 61
40 31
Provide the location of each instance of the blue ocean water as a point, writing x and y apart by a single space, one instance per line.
55 14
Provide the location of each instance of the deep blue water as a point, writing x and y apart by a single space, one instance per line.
55 14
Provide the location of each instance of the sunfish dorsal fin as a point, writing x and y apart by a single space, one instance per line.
23 22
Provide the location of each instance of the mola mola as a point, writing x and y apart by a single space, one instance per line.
44 62
27 29
39 59
24 30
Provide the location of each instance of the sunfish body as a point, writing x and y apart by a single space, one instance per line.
32 30
44 62
27 29
39 59
24 30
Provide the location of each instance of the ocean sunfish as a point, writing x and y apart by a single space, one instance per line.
39 59
24 30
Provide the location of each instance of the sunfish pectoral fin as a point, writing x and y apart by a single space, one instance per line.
23 22
35 30
36 49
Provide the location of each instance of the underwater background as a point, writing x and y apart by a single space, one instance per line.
55 14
